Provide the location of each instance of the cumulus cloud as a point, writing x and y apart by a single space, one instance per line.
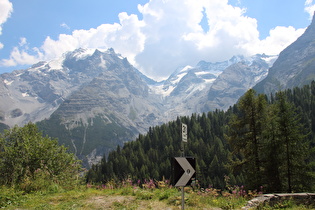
278 39
169 36
309 8
22 55
6 9
125 38
175 35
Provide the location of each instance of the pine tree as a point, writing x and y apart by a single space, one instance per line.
291 136
245 136
313 106
272 148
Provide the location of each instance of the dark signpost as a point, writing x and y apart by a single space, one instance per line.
184 168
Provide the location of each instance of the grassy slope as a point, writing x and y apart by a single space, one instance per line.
130 197
122 198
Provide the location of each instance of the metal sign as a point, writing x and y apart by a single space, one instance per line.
183 171
184 132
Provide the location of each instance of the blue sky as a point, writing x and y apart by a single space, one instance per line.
156 36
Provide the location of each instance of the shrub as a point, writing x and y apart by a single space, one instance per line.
9 196
30 161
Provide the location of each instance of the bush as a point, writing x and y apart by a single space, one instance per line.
32 162
9 196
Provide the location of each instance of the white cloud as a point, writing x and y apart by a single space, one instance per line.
6 9
19 57
168 36
23 41
278 39
22 55
125 38
64 25
309 8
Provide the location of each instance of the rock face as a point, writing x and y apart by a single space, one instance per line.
110 109
93 101
273 199
236 80
210 86
38 91
295 65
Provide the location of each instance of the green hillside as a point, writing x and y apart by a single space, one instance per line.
83 138
261 142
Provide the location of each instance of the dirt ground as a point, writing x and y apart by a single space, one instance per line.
125 202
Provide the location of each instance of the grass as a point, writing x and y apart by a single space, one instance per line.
109 197
125 195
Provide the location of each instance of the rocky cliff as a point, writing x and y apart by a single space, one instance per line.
94 100
295 65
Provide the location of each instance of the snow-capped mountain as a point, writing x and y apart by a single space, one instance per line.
236 80
93 101
209 86
35 93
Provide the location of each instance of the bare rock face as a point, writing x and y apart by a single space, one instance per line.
295 65
93 101
236 80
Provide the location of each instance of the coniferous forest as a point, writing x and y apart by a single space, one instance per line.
263 143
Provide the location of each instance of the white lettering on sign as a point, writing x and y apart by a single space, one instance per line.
184 132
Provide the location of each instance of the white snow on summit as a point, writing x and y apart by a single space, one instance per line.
83 53
56 64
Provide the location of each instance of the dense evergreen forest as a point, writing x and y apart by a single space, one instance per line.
261 142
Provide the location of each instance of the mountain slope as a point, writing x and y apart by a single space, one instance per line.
295 65
112 108
34 94
209 86
236 80
93 101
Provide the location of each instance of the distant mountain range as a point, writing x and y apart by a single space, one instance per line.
94 100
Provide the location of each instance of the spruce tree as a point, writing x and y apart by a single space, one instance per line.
293 140
272 148
245 136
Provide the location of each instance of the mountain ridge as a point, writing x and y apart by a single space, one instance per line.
94 100
98 99
294 65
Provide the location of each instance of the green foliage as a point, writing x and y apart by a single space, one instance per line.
9 196
82 138
271 143
245 136
162 196
287 204
32 162
259 142
150 156
294 151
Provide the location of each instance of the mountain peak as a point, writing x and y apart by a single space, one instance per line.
311 27
80 53
294 66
